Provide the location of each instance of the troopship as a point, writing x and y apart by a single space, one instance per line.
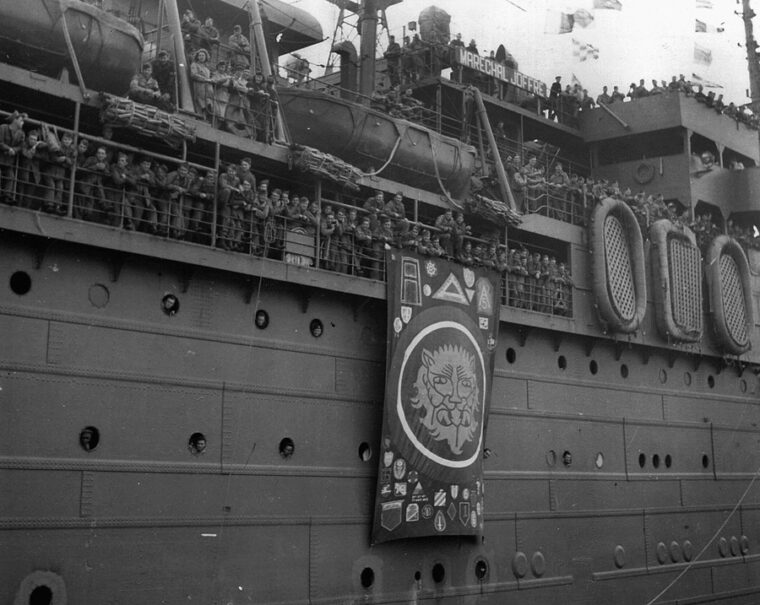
214 393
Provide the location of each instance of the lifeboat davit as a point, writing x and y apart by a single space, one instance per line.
107 48
376 142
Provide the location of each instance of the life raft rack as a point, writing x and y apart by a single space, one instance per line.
677 280
617 266
730 297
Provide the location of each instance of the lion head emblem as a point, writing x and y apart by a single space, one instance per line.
447 392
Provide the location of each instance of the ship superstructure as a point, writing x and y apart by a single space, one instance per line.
193 407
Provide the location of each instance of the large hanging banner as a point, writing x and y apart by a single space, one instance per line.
442 329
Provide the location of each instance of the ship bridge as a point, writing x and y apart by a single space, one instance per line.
677 146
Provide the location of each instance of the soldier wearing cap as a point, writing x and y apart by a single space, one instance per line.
240 49
260 210
140 210
11 140
446 230
164 74
179 184
244 173
374 206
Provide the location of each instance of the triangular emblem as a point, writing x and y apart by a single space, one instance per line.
485 296
451 291
470 293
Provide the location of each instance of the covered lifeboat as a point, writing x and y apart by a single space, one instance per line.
33 37
376 142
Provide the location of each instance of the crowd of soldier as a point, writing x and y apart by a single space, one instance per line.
225 90
564 104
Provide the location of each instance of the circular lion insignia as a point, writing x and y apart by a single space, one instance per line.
441 393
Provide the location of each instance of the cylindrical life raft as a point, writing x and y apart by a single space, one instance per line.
728 284
618 274
677 274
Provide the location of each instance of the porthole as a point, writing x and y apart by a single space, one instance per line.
562 362
170 304
711 381
511 355
316 328
642 460
287 447
743 385
599 460
593 367
687 378
624 371
656 461
41 595
89 438
567 458
197 443
481 569
367 577
365 452
98 295
20 283
261 319
705 461
417 576
663 376
668 461
551 458
439 573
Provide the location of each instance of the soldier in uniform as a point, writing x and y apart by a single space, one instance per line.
447 228
203 203
11 141
143 88
329 235
244 173
163 72
115 183
465 256
59 164
95 170
397 213
364 250
260 209
179 184
558 184
393 60
240 49
374 207
30 173
140 210
563 302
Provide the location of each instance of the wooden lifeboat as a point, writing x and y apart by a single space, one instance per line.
677 275
730 296
376 142
107 48
617 265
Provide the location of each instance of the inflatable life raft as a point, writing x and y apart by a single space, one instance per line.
730 296
617 265
677 279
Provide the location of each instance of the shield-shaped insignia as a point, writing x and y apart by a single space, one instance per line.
388 458
406 313
399 468
390 515
454 491
464 513
440 521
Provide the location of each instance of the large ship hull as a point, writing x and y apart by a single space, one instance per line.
377 142
108 49
601 483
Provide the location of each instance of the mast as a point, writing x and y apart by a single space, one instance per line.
368 29
752 56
